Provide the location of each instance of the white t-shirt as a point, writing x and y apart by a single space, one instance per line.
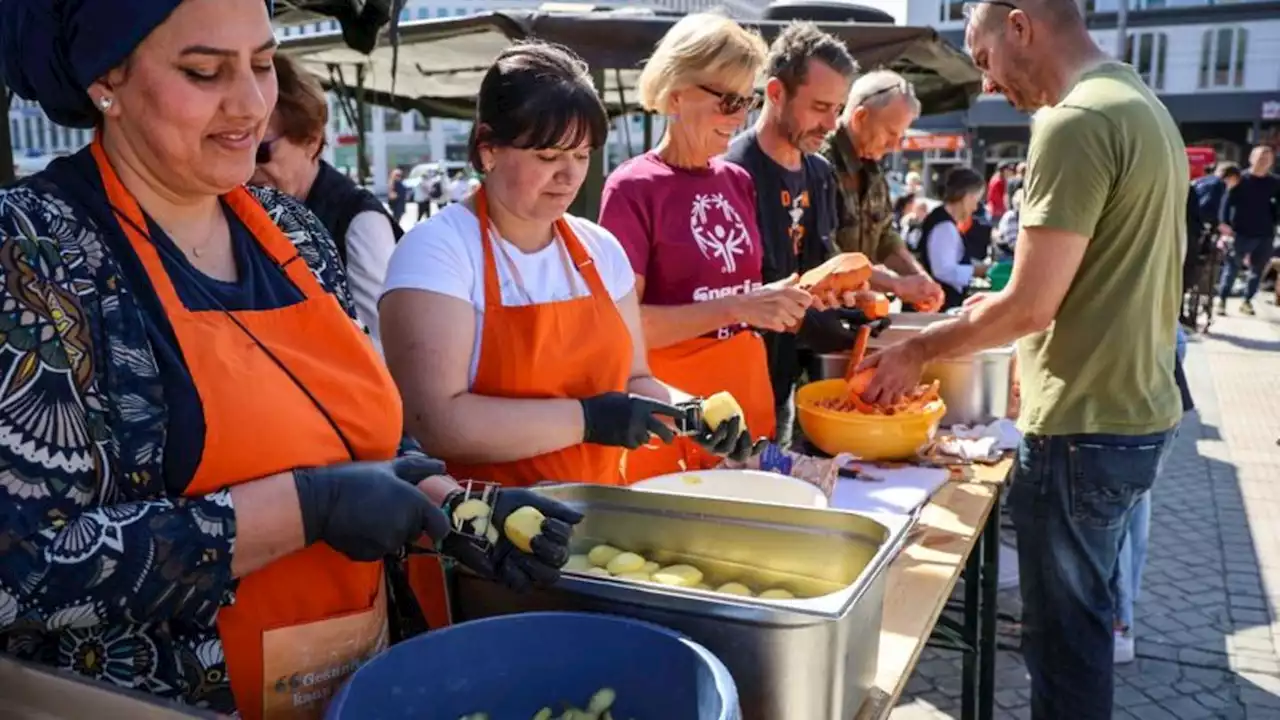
443 255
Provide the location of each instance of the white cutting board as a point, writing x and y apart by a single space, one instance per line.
897 491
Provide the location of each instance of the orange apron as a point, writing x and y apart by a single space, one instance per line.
568 349
302 624
702 367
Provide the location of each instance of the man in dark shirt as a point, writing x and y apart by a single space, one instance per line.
1250 215
809 75
1211 192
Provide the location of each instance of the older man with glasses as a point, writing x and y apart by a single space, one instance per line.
880 108
1093 301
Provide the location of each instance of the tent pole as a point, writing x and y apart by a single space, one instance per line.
587 204
7 174
648 131
362 157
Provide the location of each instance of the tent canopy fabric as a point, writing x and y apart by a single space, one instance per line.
440 62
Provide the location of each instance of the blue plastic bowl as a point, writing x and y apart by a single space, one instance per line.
657 673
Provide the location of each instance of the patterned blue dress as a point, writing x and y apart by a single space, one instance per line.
102 571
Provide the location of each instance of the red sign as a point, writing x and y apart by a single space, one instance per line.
948 142
346 140
1200 160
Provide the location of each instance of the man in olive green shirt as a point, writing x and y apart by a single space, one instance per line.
880 108
1093 302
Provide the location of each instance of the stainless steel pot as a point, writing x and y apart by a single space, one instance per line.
802 659
975 388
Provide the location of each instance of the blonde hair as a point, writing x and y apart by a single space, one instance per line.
701 48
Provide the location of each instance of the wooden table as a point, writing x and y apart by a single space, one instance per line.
922 579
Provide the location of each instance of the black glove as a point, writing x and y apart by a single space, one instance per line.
624 420
368 510
505 562
730 440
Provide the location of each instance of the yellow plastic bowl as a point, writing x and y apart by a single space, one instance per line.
870 437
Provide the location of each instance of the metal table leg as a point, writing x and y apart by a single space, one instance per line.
990 600
972 618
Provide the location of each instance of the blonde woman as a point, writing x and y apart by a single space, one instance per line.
687 221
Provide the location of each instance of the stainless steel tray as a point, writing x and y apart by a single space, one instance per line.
803 659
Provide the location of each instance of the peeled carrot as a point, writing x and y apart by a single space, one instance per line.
859 351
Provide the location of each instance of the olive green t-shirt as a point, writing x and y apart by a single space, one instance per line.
1108 163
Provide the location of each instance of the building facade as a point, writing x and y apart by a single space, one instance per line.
1215 65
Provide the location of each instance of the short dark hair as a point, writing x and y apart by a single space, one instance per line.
537 96
1229 169
960 182
797 44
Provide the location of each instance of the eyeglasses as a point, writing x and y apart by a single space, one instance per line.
263 155
970 7
905 89
733 103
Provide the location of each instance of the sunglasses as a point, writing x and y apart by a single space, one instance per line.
969 8
904 88
733 103
263 155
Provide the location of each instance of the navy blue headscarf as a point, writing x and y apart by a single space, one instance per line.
51 51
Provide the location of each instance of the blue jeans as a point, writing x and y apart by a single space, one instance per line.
1071 500
1258 250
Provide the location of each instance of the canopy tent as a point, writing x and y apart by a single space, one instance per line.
439 63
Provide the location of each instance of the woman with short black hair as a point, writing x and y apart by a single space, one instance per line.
942 248
511 327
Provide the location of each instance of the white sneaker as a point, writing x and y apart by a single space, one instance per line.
1124 649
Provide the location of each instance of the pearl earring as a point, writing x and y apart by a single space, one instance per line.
105 103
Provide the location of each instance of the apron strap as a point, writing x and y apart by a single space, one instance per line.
255 218
578 254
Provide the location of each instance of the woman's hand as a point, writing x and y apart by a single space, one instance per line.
730 440
503 561
625 420
777 307
368 510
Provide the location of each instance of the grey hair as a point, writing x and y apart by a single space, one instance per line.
878 89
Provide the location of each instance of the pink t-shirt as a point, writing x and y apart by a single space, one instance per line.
691 234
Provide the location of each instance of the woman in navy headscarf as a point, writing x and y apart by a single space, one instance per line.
190 417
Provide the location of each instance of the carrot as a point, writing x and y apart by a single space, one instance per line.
859 351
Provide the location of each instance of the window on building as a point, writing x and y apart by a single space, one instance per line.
16 134
423 13
951 10
1222 57
28 132
82 137
420 121
66 137
1146 52
442 12
392 120
460 11
404 16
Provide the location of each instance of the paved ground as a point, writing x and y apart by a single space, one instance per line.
1208 636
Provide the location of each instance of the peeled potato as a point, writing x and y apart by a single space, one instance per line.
733 588
777 594
578 562
601 701
597 571
471 510
600 555
702 586
625 562
650 567
718 408
638 576
678 575
523 525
